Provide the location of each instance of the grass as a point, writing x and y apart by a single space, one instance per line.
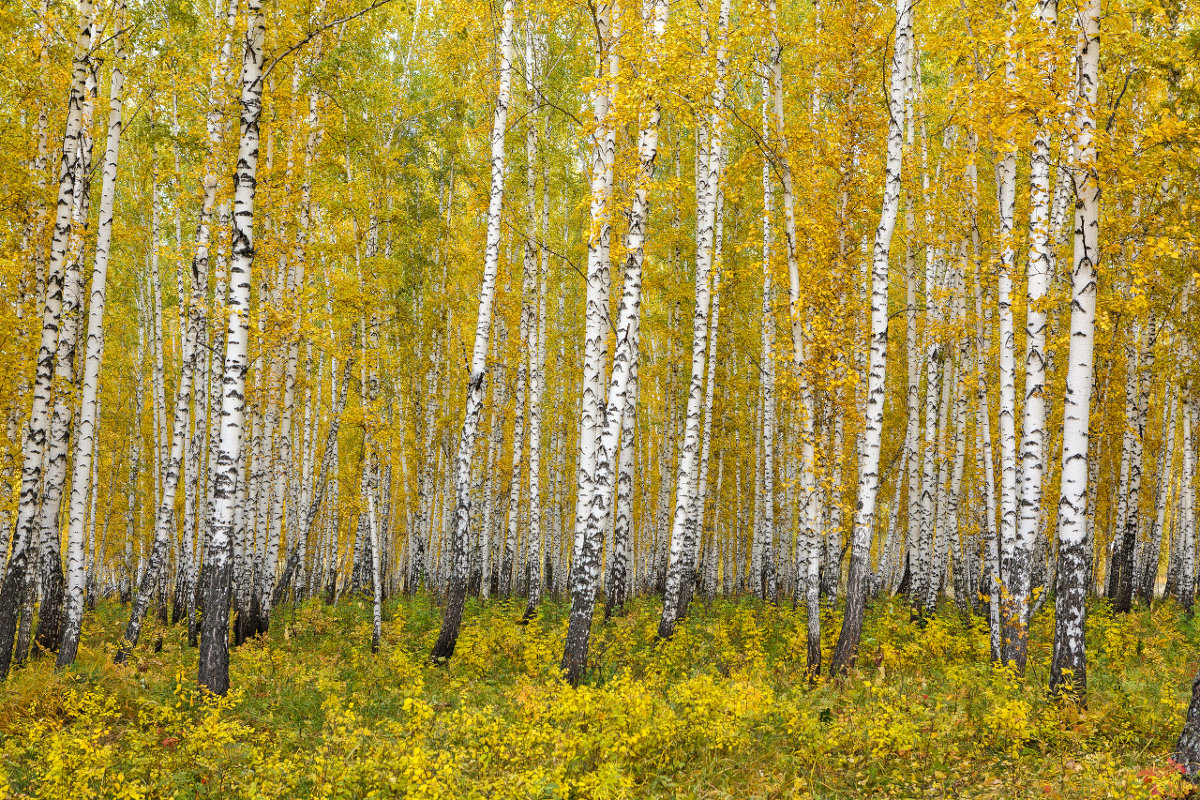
720 711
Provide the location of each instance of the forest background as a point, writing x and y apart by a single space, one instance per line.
811 303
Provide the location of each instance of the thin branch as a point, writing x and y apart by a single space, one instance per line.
540 243
1117 103
320 29
773 156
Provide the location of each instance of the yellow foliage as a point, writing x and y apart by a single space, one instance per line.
721 710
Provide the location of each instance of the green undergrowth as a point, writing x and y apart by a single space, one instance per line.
720 711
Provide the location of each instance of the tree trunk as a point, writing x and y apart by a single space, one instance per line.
682 545
1031 456
1187 748
765 463
1123 600
585 551
1184 576
85 442
537 371
1166 472
1014 607
214 633
49 629
376 577
1068 666
457 579
868 466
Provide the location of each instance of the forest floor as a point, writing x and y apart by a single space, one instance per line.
721 711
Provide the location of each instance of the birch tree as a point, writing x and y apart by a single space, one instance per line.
1068 665
34 444
537 269
459 544
85 442
62 418
621 406
1128 524
1031 457
681 544
868 461
214 630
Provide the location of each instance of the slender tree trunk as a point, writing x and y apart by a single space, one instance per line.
913 393
216 127
765 463
1068 666
537 550
962 583
1166 472
682 545
85 442
938 539
868 467
1122 488
698 513
585 552
457 585
1014 607
376 577
62 420
1038 274
616 426
214 632
1184 575
983 424
809 511
1123 560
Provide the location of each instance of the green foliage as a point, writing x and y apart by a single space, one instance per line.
721 710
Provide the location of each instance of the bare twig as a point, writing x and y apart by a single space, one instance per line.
308 37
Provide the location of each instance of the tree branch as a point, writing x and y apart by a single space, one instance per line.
320 29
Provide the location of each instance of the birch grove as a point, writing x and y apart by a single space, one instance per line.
828 314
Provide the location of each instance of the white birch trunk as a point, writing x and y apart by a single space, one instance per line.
1187 511
765 481
24 543
809 508
597 506
457 586
214 641
912 440
63 416
537 373
1014 608
585 551
868 467
681 546
1038 276
700 499
1166 471
376 577
1068 666
85 441
596 307
1128 524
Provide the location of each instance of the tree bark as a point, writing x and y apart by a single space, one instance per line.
62 420
85 441
1123 560
214 633
1068 665
868 466
682 544
456 590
